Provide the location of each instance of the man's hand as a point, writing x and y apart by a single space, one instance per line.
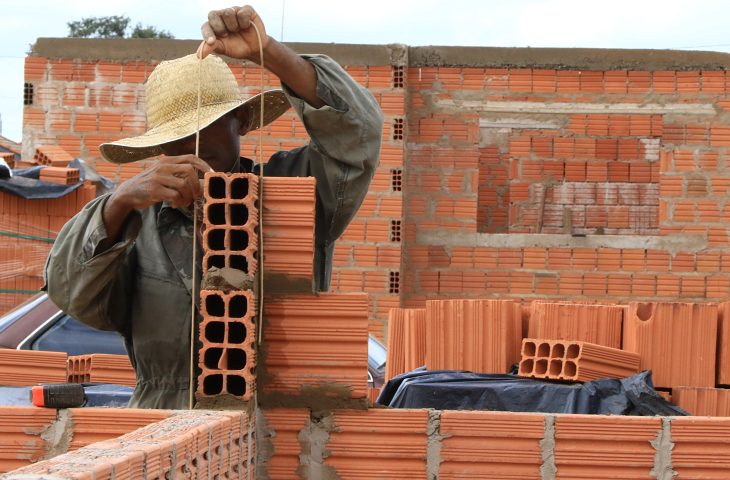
229 32
172 179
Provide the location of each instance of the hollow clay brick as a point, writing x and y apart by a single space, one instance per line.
701 447
288 232
227 333
283 428
101 368
406 341
315 343
31 367
91 425
599 324
676 341
703 401
378 443
491 445
575 361
597 447
20 435
478 335
723 344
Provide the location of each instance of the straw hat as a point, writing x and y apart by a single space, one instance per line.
172 100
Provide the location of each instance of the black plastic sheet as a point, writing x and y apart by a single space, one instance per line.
460 390
25 182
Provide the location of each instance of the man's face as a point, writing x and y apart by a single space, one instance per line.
220 142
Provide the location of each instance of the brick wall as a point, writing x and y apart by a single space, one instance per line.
526 173
559 173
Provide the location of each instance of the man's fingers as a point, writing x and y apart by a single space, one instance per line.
244 16
208 34
216 23
229 20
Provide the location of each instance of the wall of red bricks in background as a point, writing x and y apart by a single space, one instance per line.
569 171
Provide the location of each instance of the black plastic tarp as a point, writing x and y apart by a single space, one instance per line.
460 390
25 182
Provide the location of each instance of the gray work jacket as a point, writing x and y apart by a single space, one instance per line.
141 286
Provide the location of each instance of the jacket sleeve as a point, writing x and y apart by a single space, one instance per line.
93 288
344 149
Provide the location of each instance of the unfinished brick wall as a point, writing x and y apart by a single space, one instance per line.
522 173
556 173
87 92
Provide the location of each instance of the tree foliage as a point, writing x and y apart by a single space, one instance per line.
114 26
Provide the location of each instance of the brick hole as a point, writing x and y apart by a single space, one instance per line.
239 262
573 351
239 188
395 230
541 367
214 306
236 385
236 333
526 366
394 282
212 357
556 366
237 307
217 261
195 462
239 215
528 349
217 187
216 239
27 93
558 350
543 350
215 332
398 129
396 179
569 369
213 384
217 213
397 77
236 359
238 240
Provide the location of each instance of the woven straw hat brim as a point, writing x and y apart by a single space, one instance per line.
149 144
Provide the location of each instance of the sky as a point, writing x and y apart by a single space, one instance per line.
661 24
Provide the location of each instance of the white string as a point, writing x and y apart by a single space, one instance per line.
193 291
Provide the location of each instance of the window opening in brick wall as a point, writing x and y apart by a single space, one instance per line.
395 230
397 77
396 179
398 129
27 93
394 282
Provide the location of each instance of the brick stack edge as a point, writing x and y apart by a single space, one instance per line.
376 443
227 333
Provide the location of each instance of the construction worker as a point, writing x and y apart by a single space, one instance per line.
124 262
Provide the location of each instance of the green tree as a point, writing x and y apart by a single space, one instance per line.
114 26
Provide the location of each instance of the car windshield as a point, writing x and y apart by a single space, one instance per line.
10 317
376 353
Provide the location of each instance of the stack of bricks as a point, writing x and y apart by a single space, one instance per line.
28 228
227 332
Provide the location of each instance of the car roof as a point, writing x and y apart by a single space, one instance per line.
33 313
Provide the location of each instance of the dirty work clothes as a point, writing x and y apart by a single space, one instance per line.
142 285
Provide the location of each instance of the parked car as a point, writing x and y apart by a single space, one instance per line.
38 324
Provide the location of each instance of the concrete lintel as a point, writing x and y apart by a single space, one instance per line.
673 244
491 106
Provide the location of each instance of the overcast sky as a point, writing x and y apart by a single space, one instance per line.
662 24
